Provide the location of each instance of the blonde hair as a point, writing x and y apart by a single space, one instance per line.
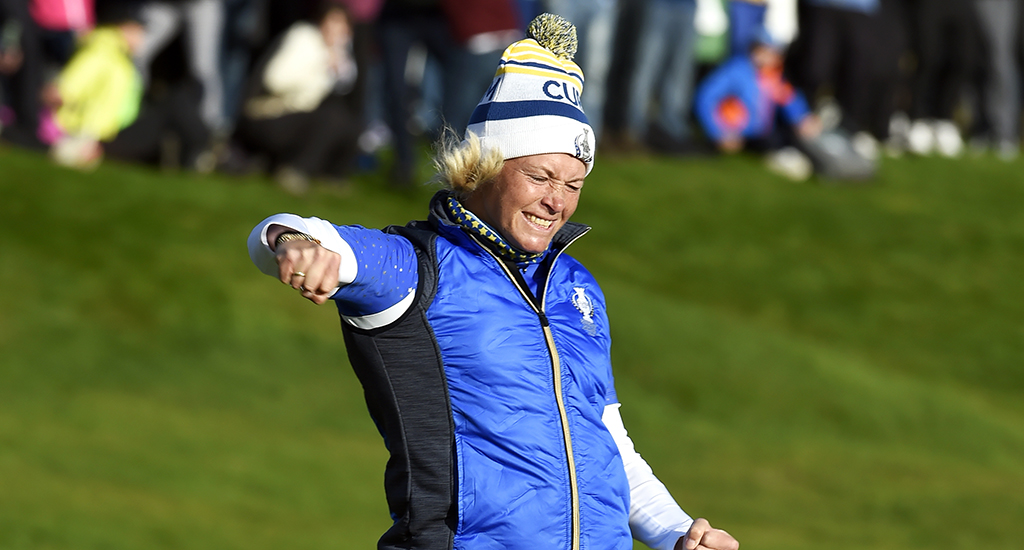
463 165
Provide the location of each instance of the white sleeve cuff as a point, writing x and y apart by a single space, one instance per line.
654 517
322 230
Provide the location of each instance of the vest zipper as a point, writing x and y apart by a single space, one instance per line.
556 371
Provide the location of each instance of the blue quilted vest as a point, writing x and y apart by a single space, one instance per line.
490 402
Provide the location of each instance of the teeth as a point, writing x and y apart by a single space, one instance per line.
539 221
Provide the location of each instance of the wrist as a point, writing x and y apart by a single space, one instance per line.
288 236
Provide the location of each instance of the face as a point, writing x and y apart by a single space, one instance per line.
335 28
766 57
531 199
134 34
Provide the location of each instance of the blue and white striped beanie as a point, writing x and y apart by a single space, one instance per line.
533 104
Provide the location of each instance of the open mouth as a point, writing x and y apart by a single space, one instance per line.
539 221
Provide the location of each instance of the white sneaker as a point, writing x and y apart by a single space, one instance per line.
1007 150
897 142
921 138
899 125
948 140
865 145
830 114
790 163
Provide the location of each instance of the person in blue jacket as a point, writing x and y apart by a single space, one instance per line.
738 103
482 347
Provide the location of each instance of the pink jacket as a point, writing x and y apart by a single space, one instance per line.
64 15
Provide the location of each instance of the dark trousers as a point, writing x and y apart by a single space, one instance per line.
396 36
20 90
174 112
318 143
855 56
947 46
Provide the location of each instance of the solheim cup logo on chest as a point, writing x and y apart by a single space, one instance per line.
585 306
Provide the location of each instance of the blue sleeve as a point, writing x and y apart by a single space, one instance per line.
796 108
715 88
387 271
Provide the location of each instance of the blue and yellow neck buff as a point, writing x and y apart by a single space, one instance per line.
472 224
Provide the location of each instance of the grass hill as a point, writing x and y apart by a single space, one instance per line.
809 366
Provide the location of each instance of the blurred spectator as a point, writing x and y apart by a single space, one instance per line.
21 74
663 76
848 53
483 29
61 23
737 105
363 14
296 109
595 22
746 20
1000 21
98 102
627 38
98 93
946 48
780 19
873 116
245 31
403 23
203 22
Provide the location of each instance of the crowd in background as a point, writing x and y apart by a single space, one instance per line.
316 89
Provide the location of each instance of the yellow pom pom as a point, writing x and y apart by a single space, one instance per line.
554 33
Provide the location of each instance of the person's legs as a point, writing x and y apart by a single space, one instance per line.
330 147
999 19
315 143
26 82
595 22
277 138
856 88
186 121
891 40
677 88
475 73
162 21
461 74
243 31
647 67
573 10
598 45
961 52
204 29
821 50
395 41
930 49
173 113
140 141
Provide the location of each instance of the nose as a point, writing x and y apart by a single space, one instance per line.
554 199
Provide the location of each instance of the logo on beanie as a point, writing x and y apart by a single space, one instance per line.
583 151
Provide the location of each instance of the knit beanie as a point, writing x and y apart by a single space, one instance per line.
533 104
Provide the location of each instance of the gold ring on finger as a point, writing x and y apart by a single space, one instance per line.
298 274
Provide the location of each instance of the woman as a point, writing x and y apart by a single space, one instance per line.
483 349
297 108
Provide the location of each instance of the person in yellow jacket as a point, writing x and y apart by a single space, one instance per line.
100 92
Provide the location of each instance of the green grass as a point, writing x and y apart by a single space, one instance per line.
809 366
